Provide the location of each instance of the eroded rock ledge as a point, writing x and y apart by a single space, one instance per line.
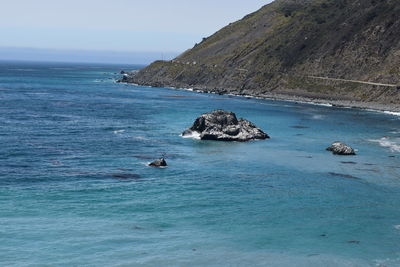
220 125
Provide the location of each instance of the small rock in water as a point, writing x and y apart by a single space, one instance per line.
339 148
159 163
348 162
220 125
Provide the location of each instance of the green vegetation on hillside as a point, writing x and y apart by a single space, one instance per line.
268 50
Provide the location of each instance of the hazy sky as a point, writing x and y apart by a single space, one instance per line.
116 25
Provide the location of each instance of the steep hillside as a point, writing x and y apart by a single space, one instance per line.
331 49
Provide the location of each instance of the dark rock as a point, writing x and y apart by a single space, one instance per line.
125 175
124 79
159 163
339 148
348 176
127 77
299 127
220 125
353 242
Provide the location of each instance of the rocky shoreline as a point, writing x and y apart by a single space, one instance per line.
322 52
387 108
301 97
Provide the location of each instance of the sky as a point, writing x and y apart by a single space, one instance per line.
160 28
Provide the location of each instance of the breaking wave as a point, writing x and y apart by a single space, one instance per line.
193 135
393 145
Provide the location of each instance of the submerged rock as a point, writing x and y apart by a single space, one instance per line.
125 175
159 163
220 125
353 242
342 175
339 148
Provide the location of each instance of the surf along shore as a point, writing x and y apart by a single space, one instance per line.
299 96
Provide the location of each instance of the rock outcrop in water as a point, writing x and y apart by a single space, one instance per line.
220 125
339 148
159 163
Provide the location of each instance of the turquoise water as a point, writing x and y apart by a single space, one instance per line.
75 189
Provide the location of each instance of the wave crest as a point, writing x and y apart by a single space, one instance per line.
388 143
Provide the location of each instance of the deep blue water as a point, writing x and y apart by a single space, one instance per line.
75 189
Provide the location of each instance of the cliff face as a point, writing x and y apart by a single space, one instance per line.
334 49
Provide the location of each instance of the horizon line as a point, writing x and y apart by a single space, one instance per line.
29 54
89 50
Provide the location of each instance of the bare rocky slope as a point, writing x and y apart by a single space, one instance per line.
327 49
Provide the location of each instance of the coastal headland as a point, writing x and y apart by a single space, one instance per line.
343 53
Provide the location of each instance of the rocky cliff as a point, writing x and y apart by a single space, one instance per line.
328 49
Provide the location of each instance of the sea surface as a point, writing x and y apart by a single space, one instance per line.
75 188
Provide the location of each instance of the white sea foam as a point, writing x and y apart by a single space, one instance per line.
392 113
300 101
319 104
194 135
148 165
38 93
318 117
118 131
141 138
254 97
387 142
384 111
286 100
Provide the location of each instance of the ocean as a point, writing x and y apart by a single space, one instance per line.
75 188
